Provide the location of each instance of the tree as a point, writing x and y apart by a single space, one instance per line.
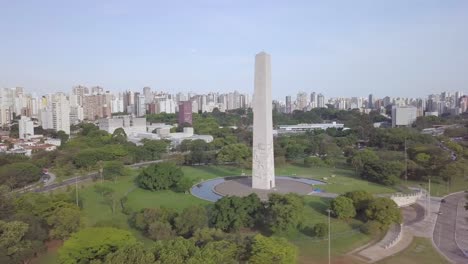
7 206
156 223
161 176
13 247
313 162
284 212
108 194
383 210
113 169
343 208
386 173
372 228
181 251
191 219
176 251
266 250
63 137
205 235
94 244
183 185
160 231
64 221
133 253
320 230
236 153
119 136
360 158
155 147
360 199
20 174
231 212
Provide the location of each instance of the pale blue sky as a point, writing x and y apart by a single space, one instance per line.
339 48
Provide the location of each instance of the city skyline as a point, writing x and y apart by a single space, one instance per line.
341 49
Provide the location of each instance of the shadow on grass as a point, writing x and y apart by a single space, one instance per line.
320 206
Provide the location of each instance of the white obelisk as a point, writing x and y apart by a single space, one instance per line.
263 170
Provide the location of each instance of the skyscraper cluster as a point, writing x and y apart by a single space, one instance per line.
435 104
59 110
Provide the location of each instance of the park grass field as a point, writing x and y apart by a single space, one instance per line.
345 235
420 251
441 188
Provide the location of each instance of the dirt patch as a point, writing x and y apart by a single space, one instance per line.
52 247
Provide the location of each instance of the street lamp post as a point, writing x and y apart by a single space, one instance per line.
329 236
76 190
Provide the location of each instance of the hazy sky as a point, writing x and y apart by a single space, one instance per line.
339 48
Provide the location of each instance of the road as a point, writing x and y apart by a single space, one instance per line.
50 185
445 229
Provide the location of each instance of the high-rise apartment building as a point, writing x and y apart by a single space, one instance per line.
185 112
370 101
148 94
25 127
60 113
288 109
301 101
140 106
80 92
313 100
320 101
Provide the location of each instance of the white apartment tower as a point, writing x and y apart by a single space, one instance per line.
60 113
25 127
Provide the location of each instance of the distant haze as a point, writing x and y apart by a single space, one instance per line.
339 48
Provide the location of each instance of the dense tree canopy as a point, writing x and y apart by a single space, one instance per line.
284 212
343 207
94 243
384 211
266 250
231 212
161 176
20 174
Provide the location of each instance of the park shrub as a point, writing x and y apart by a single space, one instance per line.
372 228
343 207
313 162
383 210
320 230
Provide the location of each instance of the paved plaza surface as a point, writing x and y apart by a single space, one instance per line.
450 232
243 187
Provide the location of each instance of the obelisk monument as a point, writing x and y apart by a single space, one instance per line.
263 167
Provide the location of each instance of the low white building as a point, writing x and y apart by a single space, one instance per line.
129 123
307 127
403 115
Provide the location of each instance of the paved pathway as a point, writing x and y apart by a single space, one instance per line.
51 185
416 223
448 235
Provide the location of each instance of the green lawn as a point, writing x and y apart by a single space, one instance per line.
345 236
339 180
420 251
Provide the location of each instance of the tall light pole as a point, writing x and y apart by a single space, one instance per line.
329 237
406 163
76 190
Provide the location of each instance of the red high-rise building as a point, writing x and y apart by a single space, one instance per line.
185 112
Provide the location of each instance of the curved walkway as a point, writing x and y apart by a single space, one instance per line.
415 224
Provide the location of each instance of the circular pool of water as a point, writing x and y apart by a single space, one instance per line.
206 190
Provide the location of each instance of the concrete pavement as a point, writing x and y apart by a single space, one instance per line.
448 236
